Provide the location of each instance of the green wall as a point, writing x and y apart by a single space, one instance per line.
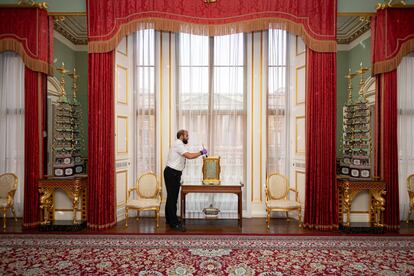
79 60
342 59
345 60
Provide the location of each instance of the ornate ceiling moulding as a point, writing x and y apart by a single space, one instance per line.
32 4
391 4
71 27
352 28
354 36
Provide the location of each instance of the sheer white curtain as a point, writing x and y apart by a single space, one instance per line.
12 121
211 106
144 100
277 105
405 73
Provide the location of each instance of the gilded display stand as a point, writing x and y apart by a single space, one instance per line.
68 165
355 172
76 189
347 192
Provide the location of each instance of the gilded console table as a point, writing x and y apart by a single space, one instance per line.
349 189
74 187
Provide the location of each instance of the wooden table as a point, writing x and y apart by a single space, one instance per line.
75 188
347 191
223 188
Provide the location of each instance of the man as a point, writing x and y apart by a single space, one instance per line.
172 175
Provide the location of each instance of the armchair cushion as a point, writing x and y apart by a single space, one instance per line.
283 204
144 203
3 203
8 183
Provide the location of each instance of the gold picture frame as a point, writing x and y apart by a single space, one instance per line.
211 170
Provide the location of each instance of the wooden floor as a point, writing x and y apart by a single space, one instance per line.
211 226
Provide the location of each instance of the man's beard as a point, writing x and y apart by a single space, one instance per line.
185 141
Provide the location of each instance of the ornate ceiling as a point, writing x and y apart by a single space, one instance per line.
350 28
74 28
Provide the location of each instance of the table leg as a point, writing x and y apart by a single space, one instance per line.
75 202
240 208
183 207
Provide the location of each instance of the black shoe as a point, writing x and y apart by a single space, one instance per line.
178 227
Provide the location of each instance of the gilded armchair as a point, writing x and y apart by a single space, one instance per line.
8 186
410 189
148 198
277 197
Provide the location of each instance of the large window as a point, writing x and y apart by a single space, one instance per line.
144 101
277 102
211 101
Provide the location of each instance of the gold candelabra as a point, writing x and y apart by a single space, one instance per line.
63 72
349 77
75 78
361 71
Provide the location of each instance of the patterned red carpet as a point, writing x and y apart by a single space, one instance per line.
205 255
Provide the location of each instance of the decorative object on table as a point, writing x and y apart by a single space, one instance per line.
410 189
211 170
66 140
8 187
211 212
62 141
79 165
277 197
356 140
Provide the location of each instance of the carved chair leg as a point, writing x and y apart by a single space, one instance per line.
409 215
300 217
137 215
126 216
157 217
287 216
268 219
14 213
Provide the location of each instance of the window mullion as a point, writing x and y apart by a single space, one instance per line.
210 93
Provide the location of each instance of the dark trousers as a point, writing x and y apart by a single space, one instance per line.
172 180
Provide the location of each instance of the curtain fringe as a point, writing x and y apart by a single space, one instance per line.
37 65
392 63
31 225
101 226
111 43
321 227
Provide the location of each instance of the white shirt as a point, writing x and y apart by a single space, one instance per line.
176 159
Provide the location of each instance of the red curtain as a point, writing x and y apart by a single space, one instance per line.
101 141
109 21
321 206
28 32
35 89
314 20
393 38
389 147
